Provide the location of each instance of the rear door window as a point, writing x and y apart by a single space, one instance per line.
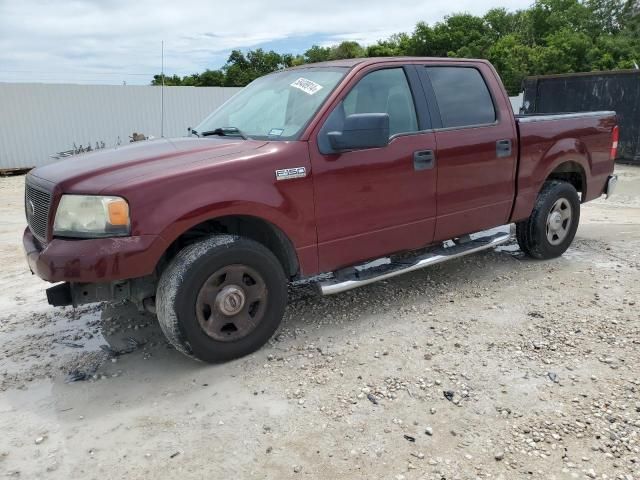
462 95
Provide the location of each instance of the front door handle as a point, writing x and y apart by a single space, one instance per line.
423 159
503 148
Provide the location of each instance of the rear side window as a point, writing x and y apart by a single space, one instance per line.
462 95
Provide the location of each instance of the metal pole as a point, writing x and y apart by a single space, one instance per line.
162 94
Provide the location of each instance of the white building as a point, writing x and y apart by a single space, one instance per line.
41 120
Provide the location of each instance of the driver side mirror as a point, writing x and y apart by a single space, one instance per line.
360 131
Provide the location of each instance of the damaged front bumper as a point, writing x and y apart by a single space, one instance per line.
66 294
95 270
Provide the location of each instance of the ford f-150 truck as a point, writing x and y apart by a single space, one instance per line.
336 174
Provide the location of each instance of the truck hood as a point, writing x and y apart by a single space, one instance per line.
92 172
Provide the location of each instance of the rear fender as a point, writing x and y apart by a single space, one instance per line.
565 150
531 180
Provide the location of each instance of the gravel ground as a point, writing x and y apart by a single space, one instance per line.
489 366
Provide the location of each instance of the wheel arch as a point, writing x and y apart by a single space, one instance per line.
570 171
566 159
249 226
570 165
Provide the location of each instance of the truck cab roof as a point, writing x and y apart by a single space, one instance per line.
352 62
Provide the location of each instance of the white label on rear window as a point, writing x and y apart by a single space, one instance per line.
307 86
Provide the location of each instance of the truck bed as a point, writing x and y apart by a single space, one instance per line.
549 139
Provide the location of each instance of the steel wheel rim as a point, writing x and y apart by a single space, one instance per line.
559 221
231 303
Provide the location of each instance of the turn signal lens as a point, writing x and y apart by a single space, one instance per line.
615 136
118 212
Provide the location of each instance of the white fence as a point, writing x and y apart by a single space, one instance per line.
40 120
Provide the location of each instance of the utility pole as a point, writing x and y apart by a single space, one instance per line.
162 93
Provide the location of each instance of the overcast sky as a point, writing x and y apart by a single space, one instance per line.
111 41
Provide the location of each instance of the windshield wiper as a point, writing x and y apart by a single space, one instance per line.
224 132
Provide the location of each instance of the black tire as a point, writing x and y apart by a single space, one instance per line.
532 233
190 271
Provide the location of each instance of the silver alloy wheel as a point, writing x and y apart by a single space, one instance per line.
559 221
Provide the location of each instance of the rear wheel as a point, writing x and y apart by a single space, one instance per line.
553 223
221 298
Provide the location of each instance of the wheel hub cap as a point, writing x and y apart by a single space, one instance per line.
230 300
559 221
555 221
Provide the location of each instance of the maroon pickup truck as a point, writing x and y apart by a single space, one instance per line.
337 174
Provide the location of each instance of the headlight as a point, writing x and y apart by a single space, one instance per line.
87 216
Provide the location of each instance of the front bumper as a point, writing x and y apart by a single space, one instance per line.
93 260
610 186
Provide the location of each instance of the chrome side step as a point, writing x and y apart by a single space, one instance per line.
384 268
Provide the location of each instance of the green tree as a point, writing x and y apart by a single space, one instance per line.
501 22
347 49
567 51
515 61
421 41
551 36
317 54
608 16
173 80
395 45
242 69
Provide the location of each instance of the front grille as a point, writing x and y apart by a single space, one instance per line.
37 203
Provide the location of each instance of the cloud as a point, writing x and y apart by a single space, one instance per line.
108 41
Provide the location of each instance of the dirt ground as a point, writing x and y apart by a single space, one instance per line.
489 366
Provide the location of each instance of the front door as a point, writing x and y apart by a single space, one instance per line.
375 201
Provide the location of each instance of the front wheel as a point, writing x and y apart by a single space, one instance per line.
553 223
221 298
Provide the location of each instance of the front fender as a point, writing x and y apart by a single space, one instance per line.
245 186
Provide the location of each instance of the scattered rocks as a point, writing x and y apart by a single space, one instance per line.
547 366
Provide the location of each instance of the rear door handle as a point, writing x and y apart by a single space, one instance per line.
503 148
423 159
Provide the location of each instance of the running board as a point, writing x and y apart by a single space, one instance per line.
384 268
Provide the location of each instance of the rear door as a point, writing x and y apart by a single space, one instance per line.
477 147
376 201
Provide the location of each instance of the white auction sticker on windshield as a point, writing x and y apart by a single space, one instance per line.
307 86
276 132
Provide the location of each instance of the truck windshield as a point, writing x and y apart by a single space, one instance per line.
277 106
